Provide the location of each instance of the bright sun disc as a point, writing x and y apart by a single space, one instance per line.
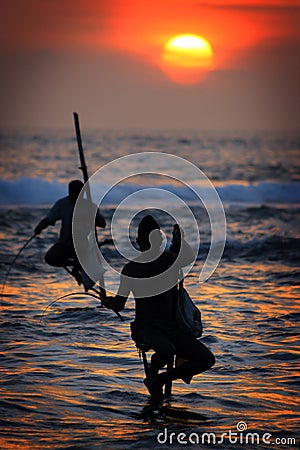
187 58
188 50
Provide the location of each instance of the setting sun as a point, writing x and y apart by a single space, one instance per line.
186 57
188 50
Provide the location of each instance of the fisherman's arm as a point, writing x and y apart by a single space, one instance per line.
53 215
41 226
180 250
117 303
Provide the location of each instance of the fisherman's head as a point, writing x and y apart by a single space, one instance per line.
149 235
74 189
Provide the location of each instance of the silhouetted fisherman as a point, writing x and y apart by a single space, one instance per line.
155 324
62 253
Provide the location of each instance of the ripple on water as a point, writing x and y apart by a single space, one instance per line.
72 378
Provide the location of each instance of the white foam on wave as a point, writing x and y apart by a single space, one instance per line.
36 191
30 191
261 193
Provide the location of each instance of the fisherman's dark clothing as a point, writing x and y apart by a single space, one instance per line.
167 342
62 253
155 323
157 309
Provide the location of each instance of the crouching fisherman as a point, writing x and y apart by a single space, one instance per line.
62 253
152 278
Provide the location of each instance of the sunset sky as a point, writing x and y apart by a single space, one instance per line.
105 59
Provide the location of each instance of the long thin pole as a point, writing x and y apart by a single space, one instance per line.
83 166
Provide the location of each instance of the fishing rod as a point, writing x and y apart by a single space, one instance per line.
97 297
70 295
102 300
15 259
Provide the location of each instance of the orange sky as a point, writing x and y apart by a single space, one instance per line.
129 36
143 26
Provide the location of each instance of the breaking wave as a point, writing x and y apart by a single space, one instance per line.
36 191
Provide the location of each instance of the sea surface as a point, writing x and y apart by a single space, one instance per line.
71 378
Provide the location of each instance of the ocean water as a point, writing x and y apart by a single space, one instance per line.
71 377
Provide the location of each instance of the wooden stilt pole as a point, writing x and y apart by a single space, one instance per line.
83 168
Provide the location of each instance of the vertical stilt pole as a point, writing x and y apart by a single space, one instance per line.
83 168
168 385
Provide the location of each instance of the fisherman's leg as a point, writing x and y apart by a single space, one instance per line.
154 339
198 358
58 255
102 287
162 346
